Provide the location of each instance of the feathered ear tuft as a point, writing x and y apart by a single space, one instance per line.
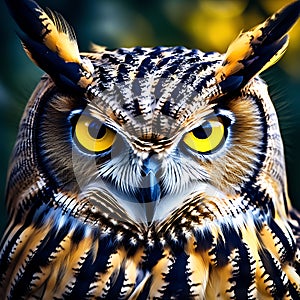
50 43
257 49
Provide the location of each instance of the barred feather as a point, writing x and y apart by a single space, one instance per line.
50 43
149 218
256 50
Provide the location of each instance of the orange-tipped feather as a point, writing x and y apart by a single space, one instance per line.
50 43
59 36
259 48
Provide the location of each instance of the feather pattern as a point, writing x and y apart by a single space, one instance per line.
43 31
149 217
58 35
256 50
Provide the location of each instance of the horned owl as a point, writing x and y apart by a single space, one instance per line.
149 173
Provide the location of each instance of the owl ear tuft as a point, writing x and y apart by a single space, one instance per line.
50 43
257 49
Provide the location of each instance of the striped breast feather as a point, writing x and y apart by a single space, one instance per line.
295 225
244 256
55 256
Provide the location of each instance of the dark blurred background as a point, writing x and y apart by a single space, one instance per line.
209 25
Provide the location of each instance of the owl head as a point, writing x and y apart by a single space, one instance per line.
136 134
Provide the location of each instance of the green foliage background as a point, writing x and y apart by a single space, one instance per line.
209 25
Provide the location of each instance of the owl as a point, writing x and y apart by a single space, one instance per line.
149 173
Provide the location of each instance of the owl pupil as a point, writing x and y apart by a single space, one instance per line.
202 132
96 130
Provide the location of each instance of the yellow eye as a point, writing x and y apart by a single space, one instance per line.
93 135
206 137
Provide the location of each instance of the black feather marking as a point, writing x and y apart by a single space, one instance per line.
289 250
86 273
61 24
153 255
146 66
295 224
144 295
166 108
273 275
115 291
177 278
83 279
26 14
203 84
262 55
293 291
31 218
242 276
283 22
39 258
65 74
50 42
204 239
139 50
164 61
231 83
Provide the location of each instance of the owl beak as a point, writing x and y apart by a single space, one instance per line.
150 187
149 193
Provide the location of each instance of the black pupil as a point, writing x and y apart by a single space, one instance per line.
202 132
96 130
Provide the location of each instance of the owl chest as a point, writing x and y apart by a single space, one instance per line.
70 260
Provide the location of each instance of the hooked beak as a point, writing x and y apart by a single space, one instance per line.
149 193
150 190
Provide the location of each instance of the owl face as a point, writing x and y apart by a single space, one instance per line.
151 134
